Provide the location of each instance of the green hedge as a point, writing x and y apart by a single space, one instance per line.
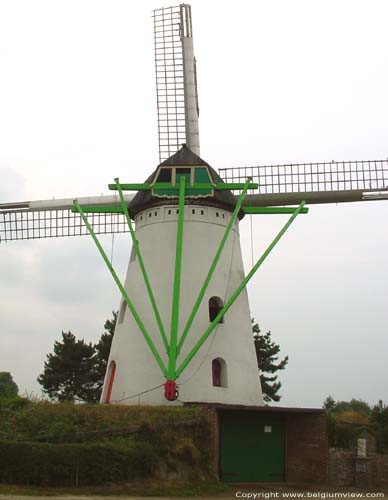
78 464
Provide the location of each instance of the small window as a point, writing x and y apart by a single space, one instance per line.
155 213
123 306
169 212
164 175
217 214
219 373
215 306
202 212
149 214
193 211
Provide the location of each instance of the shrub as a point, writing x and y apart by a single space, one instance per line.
73 464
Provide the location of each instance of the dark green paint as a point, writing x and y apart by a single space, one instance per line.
177 282
107 209
273 210
248 453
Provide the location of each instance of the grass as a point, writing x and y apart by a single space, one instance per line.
136 488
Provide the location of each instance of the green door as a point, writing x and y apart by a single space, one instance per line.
252 447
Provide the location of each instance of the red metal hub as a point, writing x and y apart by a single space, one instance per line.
170 390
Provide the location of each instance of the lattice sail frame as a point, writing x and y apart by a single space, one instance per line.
278 185
54 219
325 182
176 80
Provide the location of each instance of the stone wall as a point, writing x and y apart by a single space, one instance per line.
358 466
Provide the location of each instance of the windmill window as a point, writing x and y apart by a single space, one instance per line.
202 212
183 172
193 211
169 212
215 306
217 214
164 175
177 211
122 312
141 217
155 213
223 216
150 214
219 373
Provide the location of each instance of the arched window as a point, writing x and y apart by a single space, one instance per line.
219 373
215 306
110 378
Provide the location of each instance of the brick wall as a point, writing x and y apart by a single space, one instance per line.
214 425
380 470
306 448
345 469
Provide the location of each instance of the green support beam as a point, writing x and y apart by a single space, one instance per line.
273 210
123 291
177 282
142 268
221 186
214 264
234 296
104 209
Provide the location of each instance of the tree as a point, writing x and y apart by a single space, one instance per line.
76 370
329 403
69 373
8 388
267 355
102 349
354 405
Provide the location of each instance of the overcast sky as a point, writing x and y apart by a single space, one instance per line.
278 82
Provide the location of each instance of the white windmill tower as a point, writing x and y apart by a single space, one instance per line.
184 319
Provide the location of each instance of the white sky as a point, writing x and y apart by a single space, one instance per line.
278 82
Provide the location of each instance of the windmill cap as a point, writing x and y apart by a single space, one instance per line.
224 199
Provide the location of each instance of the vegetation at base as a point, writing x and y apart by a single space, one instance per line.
148 488
349 419
267 355
54 444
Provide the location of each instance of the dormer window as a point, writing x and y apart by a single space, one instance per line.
164 175
172 175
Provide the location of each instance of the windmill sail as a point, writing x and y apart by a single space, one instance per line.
330 182
53 219
176 80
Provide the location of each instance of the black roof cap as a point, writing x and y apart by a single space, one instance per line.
183 158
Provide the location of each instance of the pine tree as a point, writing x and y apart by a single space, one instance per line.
69 373
267 355
8 388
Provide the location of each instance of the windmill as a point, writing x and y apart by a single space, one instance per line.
185 185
